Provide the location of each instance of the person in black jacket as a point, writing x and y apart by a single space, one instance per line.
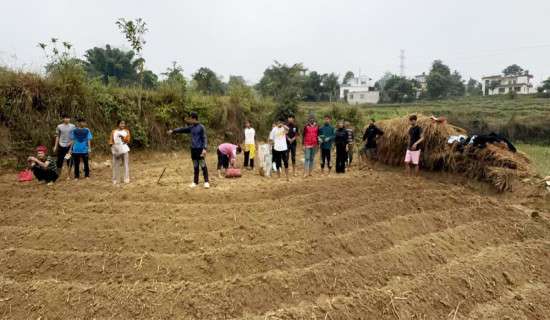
371 133
341 142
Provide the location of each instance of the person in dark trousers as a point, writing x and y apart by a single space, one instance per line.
81 148
277 138
198 148
341 143
326 136
371 134
227 153
416 136
351 141
63 141
43 167
291 137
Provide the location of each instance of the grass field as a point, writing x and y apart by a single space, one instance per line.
539 154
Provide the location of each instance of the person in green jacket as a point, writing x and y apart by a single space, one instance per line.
326 136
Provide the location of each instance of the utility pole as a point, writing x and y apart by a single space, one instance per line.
402 65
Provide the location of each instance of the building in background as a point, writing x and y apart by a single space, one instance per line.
421 80
506 84
359 90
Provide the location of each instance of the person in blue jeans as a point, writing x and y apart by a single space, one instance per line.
81 148
310 144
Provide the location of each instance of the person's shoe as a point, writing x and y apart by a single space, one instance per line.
207 185
126 181
115 182
193 185
87 178
49 183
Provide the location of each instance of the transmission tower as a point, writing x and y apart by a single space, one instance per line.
402 65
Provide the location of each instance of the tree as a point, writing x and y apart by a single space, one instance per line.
457 88
441 84
399 89
513 70
62 62
149 79
109 63
281 82
544 89
473 87
236 80
173 74
134 31
312 87
493 85
380 84
347 76
208 82
331 86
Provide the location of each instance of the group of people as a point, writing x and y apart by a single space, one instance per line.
73 144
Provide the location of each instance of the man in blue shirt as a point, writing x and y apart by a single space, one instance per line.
198 148
81 147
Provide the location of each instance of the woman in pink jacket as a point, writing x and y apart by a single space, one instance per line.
227 152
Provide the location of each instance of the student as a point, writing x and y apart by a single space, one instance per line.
198 148
81 148
371 134
63 141
277 138
120 137
249 145
326 136
310 144
341 143
43 167
416 136
227 152
351 140
291 137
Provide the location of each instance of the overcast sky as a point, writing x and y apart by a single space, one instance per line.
243 37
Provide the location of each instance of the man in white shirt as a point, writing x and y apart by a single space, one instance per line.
277 138
249 145
63 141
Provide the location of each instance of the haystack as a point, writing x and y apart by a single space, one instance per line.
494 163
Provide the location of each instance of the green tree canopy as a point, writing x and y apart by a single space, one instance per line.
112 63
513 70
400 89
208 82
347 76
473 87
441 84
282 82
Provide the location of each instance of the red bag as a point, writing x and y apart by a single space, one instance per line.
233 173
25 176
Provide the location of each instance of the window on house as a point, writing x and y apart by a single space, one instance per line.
362 96
351 96
518 89
501 90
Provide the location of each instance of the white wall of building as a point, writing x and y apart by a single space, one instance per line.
508 84
358 84
360 97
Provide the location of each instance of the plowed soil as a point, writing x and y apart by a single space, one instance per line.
364 245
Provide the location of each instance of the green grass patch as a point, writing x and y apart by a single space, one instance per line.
540 155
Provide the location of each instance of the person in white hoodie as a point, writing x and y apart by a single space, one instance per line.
119 147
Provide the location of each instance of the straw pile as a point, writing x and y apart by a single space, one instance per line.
494 163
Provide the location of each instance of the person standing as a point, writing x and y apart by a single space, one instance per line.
291 137
198 148
326 136
310 144
63 141
249 145
81 148
277 138
227 152
371 134
43 167
120 137
341 143
351 141
416 136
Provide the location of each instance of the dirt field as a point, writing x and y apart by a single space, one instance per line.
365 245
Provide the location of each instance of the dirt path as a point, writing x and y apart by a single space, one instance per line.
371 245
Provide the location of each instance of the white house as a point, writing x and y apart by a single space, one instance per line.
360 84
360 97
519 84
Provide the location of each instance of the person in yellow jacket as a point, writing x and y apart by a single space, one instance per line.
120 137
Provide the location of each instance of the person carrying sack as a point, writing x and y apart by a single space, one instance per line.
120 137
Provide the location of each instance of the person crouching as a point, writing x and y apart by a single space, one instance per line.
43 167
227 152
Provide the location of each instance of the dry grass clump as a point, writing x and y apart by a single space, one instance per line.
494 163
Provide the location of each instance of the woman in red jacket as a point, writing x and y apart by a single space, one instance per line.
310 144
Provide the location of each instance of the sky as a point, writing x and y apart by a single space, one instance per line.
243 37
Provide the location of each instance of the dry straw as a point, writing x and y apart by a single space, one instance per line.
494 163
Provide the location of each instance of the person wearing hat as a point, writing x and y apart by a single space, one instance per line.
341 143
43 167
310 144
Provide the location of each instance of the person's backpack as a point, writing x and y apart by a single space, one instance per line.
25 176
